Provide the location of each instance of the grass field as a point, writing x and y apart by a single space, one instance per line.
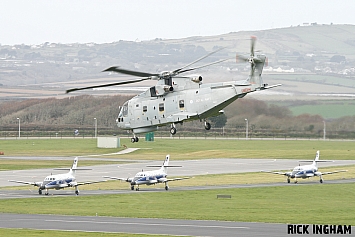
286 204
184 149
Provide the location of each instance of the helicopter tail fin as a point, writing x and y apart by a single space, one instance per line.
257 65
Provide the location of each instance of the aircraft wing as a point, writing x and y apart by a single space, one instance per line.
331 172
116 178
89 182
275 172
163 180
28 183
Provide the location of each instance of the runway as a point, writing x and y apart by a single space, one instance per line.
141 225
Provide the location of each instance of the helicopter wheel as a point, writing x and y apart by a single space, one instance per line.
173 131
207 126
134 139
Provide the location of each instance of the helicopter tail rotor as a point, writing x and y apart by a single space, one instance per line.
256 63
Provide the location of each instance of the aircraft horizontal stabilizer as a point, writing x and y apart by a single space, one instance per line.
269 87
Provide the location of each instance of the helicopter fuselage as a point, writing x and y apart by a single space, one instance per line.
188 100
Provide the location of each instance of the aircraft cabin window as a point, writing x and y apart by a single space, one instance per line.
161 107
145 108
181 103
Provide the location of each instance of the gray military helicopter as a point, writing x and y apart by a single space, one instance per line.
176 99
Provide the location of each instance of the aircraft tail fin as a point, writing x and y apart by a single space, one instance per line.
165 165
316 159
74 165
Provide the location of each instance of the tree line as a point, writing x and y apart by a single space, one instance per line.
65 115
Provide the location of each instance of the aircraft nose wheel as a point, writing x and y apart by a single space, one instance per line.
166 187
76 193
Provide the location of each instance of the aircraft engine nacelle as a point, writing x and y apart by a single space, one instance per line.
196 79
163 89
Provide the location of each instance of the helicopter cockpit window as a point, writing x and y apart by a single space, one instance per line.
181 103
161 107
145 108
124 110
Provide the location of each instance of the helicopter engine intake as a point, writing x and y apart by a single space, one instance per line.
163 89
196 79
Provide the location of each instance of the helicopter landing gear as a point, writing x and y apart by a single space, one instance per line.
134 139
172 129
207 125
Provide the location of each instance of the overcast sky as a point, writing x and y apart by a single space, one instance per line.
105 21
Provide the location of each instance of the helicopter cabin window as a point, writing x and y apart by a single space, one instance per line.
161 107
181 103
145 108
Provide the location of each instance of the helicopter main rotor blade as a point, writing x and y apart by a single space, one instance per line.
208 64
129 72
177 71
105 85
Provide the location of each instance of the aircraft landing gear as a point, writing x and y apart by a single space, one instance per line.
321 180
288 180
40 191
76 191
132 187
137 188
296 181
207 125
172 129
166 187
134 139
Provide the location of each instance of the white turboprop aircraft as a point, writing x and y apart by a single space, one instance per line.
151 177
59 181
307 171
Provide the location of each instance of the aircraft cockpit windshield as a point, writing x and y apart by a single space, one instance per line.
124 110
